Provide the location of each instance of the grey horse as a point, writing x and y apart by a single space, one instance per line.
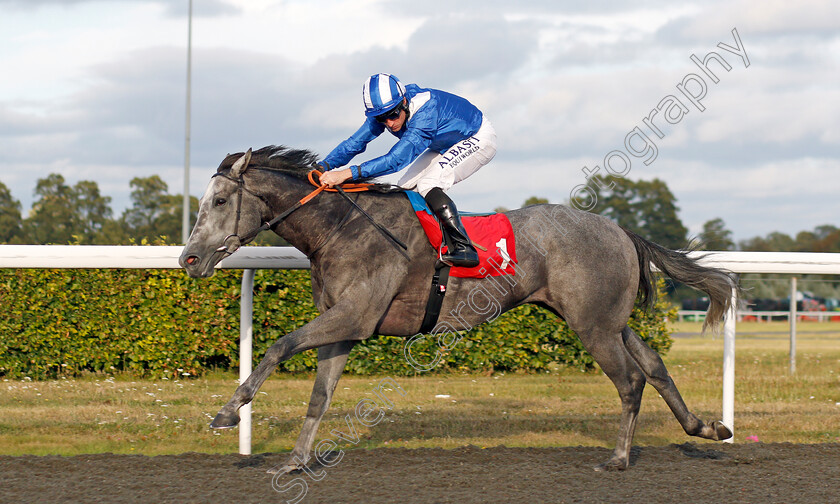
580 266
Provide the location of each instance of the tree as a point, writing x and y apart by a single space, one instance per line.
648 208
824 231
52 219
715 236
10 217
155 213
805 241
535 200
92 210
614 199
113 232
773 242
780 242
755 244
658 214
168 223
149 197
64 214
827 239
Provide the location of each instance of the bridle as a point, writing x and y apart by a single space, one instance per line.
234 242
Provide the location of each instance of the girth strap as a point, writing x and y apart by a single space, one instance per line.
436 295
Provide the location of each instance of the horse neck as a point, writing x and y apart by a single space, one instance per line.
308 226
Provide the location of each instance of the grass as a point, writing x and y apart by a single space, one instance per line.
121 414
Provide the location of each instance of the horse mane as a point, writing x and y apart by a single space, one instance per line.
295 162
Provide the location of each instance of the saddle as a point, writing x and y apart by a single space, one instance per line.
491 234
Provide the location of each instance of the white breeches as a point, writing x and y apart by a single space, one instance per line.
444 169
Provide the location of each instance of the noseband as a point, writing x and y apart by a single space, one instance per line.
233 242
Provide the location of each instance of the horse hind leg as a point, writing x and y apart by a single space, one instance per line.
629 380
331 361
651 364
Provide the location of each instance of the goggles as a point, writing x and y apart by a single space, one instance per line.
391 115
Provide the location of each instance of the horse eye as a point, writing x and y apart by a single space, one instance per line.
219 202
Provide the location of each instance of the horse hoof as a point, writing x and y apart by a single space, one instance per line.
284 469
613 464
721 431
225 421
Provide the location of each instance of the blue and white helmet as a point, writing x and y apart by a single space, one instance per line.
381 93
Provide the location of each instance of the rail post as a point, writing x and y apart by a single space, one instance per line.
729 365
792 325
246 336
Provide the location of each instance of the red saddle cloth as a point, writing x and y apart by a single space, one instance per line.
491 232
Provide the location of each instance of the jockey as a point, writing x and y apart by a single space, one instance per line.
443 137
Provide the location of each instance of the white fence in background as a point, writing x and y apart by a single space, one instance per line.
764 316
250 258
792 263
166 257
140 257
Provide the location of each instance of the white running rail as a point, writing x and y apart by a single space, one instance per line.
250 258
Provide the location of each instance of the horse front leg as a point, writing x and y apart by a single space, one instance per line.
342 322
228 416
331 362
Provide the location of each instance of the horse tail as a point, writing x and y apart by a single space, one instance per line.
676 264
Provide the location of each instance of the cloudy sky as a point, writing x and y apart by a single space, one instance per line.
96 90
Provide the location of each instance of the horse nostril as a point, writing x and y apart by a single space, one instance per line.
191 260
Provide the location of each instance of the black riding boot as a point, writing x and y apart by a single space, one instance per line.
459 249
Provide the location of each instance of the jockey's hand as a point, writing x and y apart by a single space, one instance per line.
335 177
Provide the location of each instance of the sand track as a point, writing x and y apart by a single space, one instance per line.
703 472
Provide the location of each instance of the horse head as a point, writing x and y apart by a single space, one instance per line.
227 212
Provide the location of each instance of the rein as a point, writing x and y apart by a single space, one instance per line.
233 242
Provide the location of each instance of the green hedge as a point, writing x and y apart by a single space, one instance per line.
163 323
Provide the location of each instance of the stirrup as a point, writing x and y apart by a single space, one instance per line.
450 262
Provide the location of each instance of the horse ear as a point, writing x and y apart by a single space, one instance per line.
240 165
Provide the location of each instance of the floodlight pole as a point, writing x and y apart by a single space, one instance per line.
185 223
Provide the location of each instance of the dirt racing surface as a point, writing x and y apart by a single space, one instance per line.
695 473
